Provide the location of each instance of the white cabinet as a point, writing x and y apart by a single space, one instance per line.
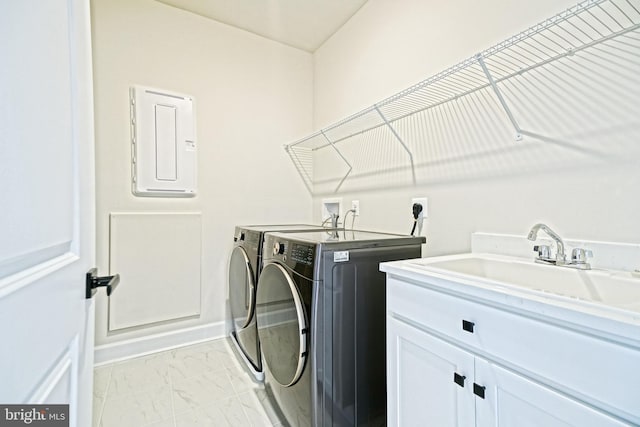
452 361
420 387
513 400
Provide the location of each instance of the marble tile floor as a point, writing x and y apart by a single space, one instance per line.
198 385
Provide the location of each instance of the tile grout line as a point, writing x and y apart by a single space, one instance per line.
173 407
270 423
106 393
237 395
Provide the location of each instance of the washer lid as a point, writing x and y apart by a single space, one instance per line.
242 288
282 325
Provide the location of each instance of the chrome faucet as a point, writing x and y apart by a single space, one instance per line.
543 252
578 255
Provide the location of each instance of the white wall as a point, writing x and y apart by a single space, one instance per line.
251 95
583 186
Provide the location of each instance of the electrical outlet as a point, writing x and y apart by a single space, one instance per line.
424 202
417 226
355 205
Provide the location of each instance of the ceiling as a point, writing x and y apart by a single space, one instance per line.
304 24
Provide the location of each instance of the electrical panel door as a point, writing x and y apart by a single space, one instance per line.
163 143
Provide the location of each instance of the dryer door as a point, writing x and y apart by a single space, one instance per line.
242 288
282 324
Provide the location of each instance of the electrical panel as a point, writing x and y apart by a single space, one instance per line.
163 141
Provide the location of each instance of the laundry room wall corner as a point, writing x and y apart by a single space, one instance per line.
576 167
251 94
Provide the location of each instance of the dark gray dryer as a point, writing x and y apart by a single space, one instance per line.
320 311
244 269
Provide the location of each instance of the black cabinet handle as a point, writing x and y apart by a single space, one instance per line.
468 326
459 379
93 282
478 390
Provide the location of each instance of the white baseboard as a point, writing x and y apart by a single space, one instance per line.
127 349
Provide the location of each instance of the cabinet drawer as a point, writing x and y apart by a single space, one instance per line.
597 371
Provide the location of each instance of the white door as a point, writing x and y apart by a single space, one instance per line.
513 400
429 382
46 204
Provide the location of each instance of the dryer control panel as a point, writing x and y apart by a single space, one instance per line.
302 253
297 256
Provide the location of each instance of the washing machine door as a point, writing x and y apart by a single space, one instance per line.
242 288
282 324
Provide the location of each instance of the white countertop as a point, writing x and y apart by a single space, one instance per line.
605 303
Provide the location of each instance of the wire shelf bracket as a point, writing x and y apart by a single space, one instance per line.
343 159
501 99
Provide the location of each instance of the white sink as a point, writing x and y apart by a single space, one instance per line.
615 289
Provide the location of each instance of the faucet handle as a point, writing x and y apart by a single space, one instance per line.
580 255
544 251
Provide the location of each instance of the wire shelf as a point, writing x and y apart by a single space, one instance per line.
608 28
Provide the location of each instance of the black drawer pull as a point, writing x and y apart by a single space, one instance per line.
478 390
468 326
459 379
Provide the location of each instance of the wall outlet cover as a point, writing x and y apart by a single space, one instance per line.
355 205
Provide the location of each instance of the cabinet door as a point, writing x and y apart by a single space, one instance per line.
420 371
513 400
